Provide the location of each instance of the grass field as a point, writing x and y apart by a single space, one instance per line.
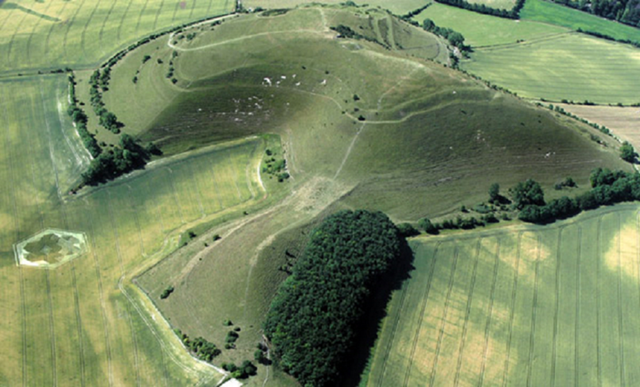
540 306
549 12
483 30
573 67
83 323
55 34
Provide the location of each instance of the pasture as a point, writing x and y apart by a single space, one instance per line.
540 306
551 13
484 30
52 34
570 66
83 323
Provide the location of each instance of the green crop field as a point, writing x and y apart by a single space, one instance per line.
54 34
540 306
484 30
549 12
572 67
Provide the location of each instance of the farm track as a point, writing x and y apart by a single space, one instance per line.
13 37
144 8
155 21
467 314
556 311
33 31
534 311
193 7
46 44
487 326
106 20
619 295
69 25
511 311
416 336
134 340
52 330
124 15
83 46
434 369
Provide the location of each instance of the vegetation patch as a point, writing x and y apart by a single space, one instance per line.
50 248
321 304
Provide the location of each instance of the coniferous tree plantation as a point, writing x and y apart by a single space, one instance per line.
316 314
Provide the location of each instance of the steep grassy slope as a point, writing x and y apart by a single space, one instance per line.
365 113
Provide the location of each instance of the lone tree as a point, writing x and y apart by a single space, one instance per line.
627 153
494 193
526 193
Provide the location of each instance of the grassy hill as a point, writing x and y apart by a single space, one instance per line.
376 121
431 139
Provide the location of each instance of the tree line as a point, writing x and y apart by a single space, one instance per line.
117 161
79 117
609 37
608 187
623 11
316 313
513 13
